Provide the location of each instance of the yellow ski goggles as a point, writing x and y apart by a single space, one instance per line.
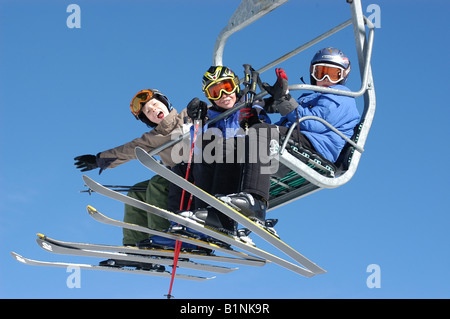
215 90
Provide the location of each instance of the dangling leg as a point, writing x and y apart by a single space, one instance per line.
156 194
252 201
136 216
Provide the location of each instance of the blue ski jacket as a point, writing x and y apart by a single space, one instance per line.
338 110
229 126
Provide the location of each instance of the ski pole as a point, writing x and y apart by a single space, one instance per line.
253 83
194 138
119 188
188 168
247 82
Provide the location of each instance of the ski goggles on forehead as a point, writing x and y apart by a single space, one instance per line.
320 71
214 90
141 97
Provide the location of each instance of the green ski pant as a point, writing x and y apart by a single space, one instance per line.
156 194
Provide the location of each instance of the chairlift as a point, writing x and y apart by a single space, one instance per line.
302 173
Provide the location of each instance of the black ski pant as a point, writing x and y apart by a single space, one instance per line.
258 165
221 176
175 192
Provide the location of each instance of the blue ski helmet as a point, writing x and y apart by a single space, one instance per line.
332 56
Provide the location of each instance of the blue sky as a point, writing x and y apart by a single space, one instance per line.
65 92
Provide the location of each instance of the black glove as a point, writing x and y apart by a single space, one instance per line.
281 102
280 88
248 117
197 109
269 105
86 162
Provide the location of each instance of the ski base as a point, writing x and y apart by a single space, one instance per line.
167 274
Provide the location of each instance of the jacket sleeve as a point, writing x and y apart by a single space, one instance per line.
124 153
321 107
158 136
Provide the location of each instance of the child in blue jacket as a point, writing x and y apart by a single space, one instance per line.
218 157
329 68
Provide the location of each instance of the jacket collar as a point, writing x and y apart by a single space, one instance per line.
168 124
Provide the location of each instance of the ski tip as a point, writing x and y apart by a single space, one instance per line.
209 278
91 210
139 151
87 179
18 257
320 272
41 236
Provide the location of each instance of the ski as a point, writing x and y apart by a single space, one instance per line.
167 253
125 257
167 274
243 259
309 268
100 189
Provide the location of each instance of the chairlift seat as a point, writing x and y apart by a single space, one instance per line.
286 184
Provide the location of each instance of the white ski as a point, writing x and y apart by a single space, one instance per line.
153 252
243 258
310 269
167 274
158 260
98 188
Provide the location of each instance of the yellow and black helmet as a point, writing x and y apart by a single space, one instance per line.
219 79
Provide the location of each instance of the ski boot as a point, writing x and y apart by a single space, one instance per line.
251 207
214 221
243 233
201 216
177 228
132 264
247 205
159 242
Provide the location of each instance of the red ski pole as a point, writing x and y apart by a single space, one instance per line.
188 168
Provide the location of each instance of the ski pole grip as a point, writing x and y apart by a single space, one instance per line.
247 73
199 115
254 81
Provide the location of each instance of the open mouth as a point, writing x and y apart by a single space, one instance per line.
160 115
